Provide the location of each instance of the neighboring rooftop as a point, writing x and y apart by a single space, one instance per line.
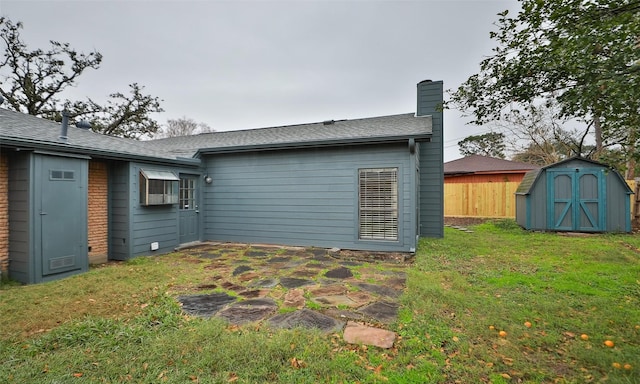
476 164
384 128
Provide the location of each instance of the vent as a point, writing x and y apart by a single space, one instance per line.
328 122
62 262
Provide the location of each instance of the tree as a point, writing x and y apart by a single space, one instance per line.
489 144
122 115
32 82
537 136
184 126
583 53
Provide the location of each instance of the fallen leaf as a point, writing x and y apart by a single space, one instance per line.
78 374
295 363
143 306
232 377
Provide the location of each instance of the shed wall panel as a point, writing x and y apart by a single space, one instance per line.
618 208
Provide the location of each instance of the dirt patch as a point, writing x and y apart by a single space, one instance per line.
465 221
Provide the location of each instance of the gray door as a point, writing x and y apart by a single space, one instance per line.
62 213
188 209
576 200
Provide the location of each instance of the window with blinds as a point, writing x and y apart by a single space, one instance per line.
378 203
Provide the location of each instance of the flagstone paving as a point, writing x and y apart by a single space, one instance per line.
301 287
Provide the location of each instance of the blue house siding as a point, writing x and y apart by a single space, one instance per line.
21 230
119 212
301 197
431 161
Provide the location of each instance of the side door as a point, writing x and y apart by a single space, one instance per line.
61 214
188 214
576 200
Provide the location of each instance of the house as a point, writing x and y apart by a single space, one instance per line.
485 169
70 197
574 195
482 186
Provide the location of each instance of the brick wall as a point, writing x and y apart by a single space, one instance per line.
98 212
4 212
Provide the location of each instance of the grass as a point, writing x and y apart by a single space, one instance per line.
120 323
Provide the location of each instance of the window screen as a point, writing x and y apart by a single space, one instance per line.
378 203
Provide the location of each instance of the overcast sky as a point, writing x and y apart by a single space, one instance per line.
252 64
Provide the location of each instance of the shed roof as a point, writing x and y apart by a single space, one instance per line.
531 177
484 164
380 129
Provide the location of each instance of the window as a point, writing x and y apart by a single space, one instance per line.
378 203
61 175
158 187
187 193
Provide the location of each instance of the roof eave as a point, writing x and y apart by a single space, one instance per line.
108 155
312 144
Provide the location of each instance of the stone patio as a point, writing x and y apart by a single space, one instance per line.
285 287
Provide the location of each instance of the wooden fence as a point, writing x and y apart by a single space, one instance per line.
497 200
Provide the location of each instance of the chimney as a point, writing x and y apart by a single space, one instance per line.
429 103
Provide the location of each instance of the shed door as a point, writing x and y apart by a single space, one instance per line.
188 209
576 200
62 215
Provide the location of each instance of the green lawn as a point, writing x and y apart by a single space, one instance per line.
120 323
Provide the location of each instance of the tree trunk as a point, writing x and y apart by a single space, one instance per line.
598 135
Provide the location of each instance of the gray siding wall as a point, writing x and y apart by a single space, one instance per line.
151 223
431 161
20 225
119 211
301 197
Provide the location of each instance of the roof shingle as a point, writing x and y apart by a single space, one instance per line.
484 164
22 128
